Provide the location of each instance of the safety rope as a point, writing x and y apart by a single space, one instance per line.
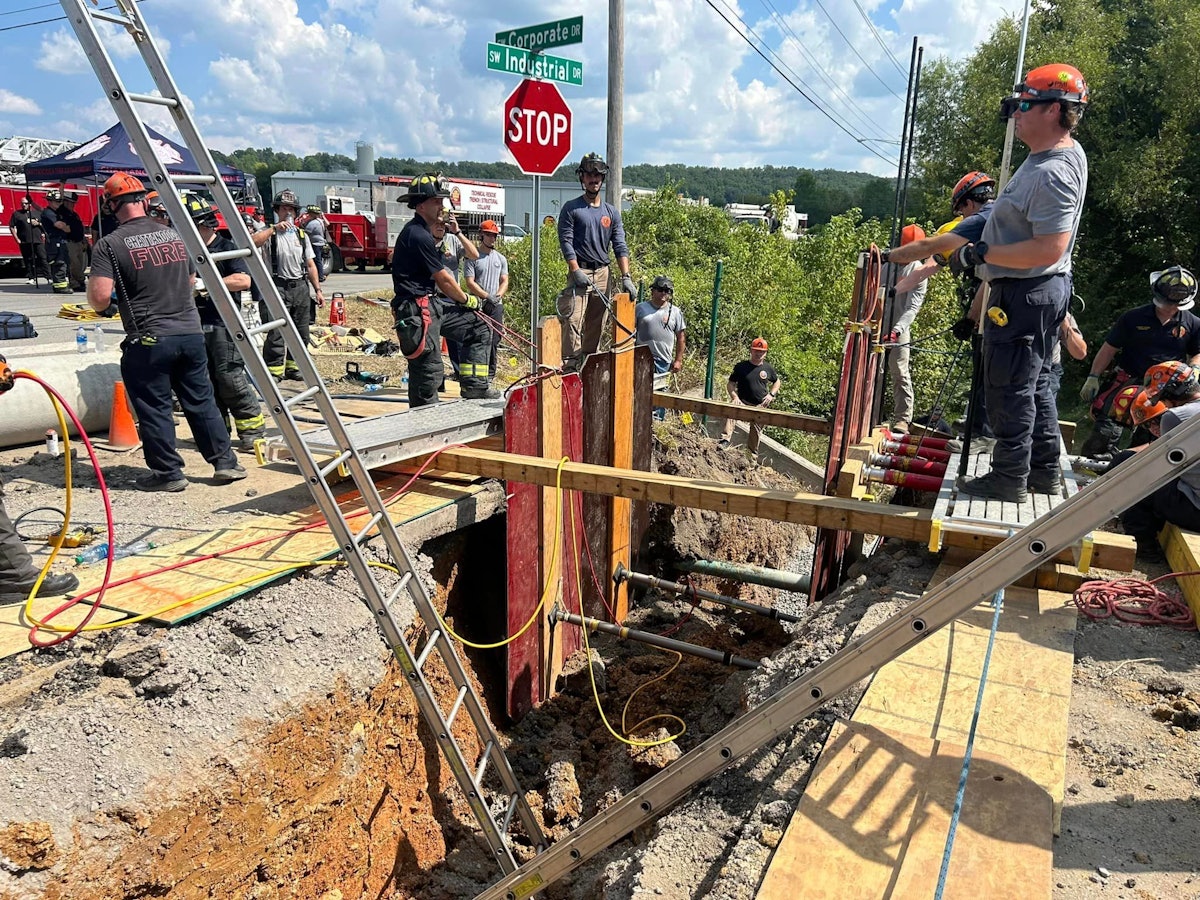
998 604
1135 602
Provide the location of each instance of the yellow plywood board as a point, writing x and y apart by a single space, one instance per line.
1183 553
874 819
286 546
14 627
930 690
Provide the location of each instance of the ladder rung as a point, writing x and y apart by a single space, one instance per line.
362 535
400 588
483 764
508 813
229 254
123 21
334 463
458 702
194 179
302 396
431 644
154 100
266 326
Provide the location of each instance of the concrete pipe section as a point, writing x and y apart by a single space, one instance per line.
85 381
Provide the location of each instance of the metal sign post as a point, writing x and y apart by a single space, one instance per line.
535 266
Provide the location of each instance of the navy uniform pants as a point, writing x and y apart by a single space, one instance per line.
1146 518
234 393
456 323
17 571
1017 356
151 372
295 296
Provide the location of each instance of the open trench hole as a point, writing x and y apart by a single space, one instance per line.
348 797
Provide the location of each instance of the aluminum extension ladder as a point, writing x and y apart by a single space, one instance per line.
493 763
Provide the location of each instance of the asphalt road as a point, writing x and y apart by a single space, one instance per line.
42 306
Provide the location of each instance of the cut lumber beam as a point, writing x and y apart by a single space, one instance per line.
753 414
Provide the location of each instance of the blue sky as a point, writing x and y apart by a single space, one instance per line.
409 76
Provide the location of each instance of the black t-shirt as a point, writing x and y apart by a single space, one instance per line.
23 221
49 218
153 278
227 267
103 224
1144 341
415 260
71 217
752 382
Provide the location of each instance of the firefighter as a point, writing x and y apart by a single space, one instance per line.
587 227
235 394
145 266
77 245
1024 255
421 320
18 574
57 252
1160 331
905 306
487 279
294 270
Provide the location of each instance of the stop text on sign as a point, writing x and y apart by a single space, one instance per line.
537 126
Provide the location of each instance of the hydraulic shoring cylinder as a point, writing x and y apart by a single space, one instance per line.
921 450
772 578
912 440
913 464
624 574
558 614
904 479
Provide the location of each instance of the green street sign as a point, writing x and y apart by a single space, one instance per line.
544 36
515 61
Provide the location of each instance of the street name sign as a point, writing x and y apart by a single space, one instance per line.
544 36
515 61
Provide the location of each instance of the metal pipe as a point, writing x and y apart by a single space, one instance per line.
624 574
558 614
772 578
710 377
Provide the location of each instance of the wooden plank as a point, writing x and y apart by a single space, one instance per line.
722 410
523 655
874 818
14 627
597 450
622 443
1067 429
850 480
1183 553
643 447
1112 551
551 525
930 690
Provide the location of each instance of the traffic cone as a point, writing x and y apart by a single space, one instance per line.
122 433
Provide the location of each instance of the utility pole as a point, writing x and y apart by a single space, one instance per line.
616 100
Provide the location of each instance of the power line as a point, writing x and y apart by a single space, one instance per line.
850 44
16 12
886 48
798 89
51 19
851 105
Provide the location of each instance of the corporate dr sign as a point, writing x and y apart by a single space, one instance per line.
540 37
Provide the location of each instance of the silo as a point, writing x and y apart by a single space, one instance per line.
366 159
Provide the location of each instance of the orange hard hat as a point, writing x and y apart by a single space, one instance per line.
910 233
972 186
1056 81
758 344
489 227
1145 408
122 184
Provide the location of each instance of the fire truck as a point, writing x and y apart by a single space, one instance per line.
11 195
365 216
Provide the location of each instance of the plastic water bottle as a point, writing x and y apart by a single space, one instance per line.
97 552
81 340
97 339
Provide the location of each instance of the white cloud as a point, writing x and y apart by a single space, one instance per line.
409 76
15 104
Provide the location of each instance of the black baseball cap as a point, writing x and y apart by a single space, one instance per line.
662 283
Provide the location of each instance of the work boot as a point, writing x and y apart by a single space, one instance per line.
247 439
978 445
63 290
993 486
900 427
51 586
229 473
1046 481
480 393
162 483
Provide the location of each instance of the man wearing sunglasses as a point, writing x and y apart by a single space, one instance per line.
1024 256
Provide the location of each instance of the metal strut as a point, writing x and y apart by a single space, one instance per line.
1038 543
492 766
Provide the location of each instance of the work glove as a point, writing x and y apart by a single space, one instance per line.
965 258
472 302
629 286
891 293
579 279
886 254
491 306
892 337
1091 387
963 328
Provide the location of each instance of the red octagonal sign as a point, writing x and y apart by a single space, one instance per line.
537 127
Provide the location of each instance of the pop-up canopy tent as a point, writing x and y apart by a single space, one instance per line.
111 152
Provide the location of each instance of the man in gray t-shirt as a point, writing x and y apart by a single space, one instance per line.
660 326
487 279
1024 257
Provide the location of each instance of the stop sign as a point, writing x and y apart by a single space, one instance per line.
537 127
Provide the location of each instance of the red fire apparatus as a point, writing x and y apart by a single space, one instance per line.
10 200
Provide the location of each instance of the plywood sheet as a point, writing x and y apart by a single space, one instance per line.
930 690
874 819
14 627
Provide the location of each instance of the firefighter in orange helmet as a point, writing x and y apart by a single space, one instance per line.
487 279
